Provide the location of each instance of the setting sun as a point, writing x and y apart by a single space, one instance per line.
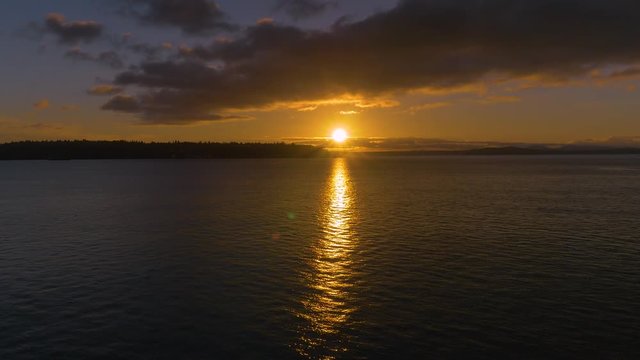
339 135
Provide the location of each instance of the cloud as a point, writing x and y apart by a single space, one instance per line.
265 21
12 129
429 106
349 112
43 126
626 73
151 52
191 16
498 99
124 103
69 107
41 104
419 45
104 89
300 9
108 58
152 111
148 51
357 101
73 31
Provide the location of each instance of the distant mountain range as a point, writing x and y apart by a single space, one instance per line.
83 149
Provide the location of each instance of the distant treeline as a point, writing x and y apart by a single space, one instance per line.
83 149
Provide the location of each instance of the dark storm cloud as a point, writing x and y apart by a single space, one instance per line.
191 16
300 9
434 44
150 52
123 103
71 32
167 107
108 58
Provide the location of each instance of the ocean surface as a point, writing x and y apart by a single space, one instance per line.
350 258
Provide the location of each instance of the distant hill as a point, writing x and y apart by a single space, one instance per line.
82 149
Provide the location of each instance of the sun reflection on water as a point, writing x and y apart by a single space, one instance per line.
329 305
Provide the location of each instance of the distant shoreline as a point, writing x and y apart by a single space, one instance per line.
114 150
510 150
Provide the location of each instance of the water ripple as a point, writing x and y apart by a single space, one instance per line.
533 257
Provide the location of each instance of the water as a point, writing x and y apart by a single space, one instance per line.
425 257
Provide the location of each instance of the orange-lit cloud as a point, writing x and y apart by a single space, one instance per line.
69 107
428 106
430 48
479 88
41 104
499 99
625 73
73 31
265 21
14 129
349 112
104 89
312 105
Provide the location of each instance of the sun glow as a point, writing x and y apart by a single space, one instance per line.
339 135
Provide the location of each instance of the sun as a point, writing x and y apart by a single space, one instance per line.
339 135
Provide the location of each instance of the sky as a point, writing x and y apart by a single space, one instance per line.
419 72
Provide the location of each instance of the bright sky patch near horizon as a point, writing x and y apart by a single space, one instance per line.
545 71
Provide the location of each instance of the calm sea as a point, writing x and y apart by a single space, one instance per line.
406 258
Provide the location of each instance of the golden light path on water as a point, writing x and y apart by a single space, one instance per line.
328 306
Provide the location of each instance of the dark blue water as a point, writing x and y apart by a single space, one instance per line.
477 257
